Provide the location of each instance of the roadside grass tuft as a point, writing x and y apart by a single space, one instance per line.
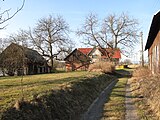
141 72
147 91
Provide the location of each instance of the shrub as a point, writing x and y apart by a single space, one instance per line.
104 67
141 72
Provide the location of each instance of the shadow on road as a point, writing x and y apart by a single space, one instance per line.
123 73
114 107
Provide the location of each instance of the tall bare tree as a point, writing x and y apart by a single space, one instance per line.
50 36
3 44
115 31
6 16
20 38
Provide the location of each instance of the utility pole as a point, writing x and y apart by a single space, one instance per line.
142 55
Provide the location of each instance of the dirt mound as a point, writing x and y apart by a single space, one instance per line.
69 103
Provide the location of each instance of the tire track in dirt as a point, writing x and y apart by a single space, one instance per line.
131 113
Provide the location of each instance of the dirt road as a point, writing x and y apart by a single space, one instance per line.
131 113
95 111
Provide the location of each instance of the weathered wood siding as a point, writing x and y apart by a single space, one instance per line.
77 61
154 55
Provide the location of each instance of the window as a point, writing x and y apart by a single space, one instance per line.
94 56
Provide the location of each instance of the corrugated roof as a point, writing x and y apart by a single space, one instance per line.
154 29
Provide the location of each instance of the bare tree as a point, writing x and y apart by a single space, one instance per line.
92 32
3 44
126 62
20 38
115 31
50 36
6 16
123 30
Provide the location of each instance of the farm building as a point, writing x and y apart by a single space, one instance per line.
77 60
153 44
17 60
81 58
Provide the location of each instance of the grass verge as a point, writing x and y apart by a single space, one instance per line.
114 109
147 92
67 103
10 87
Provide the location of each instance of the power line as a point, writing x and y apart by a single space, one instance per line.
156 3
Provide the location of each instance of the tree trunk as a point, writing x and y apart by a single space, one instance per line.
115 42
52 66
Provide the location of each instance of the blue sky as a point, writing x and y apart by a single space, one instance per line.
75 11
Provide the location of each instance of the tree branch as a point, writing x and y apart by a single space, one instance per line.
3 20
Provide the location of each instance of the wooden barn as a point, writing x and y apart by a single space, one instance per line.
102 54
81 58
153 44
77 60
17 60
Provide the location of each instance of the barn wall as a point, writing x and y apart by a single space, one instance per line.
154 55
76 66
95 55
77 61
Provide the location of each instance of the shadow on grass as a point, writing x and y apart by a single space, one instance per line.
115 104
121 73
115 112
65 104
47 82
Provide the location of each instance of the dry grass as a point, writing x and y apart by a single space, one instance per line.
147 91
67 103
141 72
114 108
10 87
104 67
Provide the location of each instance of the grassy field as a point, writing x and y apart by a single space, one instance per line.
11 90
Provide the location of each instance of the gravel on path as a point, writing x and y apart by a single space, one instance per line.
131 113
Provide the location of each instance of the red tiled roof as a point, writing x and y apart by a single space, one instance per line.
116 52
85 50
